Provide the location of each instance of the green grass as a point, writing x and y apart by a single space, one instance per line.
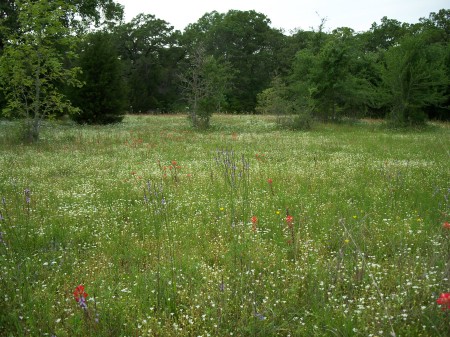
169 249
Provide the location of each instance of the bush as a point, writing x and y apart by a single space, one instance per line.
291 114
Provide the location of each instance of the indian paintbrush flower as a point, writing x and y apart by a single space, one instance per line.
444 301
254 222
289 220
290 224
269 181
80 296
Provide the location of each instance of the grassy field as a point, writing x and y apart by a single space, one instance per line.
244 230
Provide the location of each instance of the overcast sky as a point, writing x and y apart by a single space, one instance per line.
290 14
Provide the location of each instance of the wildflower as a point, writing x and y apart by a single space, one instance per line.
221 209
289 220
174 163
80 296
444 301
446 225
254 222
27 195
346 241
269 181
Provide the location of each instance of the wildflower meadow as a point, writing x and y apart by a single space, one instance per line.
149 228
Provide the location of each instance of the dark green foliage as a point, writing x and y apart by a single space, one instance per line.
248 43
102 99
333 79
148 51
8 20
384 35
437 31
414 78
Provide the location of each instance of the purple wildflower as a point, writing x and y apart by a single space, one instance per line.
27 195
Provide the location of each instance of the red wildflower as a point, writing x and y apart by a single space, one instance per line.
446 225
269 181
290 221
79 294
254 222
174 163
444 301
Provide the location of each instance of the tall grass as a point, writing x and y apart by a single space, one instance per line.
244 230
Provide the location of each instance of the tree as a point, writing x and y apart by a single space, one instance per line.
147 47
331 76
245 40
414 77
102 99
385 35
31 68
8 20
205 84
436 31
438 26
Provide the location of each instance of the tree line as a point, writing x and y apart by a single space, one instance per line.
78 57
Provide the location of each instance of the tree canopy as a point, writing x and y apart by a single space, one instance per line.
395 70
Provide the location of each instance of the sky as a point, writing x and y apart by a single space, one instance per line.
290 14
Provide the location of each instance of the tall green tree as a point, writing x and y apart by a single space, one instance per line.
148 49
436 31
384 35
8 20
84 13
414 77
32 69
332 77
245 40
205 85
437 26
102 99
